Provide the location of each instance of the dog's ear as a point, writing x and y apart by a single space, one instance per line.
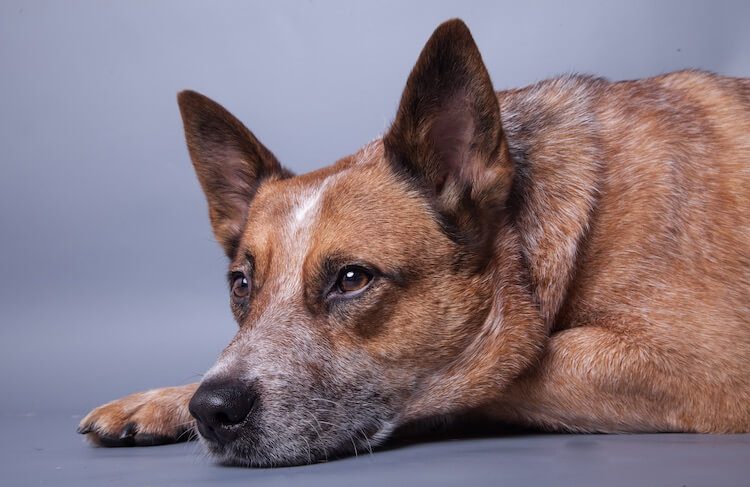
447 131
229 161
447 137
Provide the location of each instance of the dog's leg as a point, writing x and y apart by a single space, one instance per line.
153 417
597 379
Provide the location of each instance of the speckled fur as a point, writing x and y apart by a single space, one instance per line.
573 255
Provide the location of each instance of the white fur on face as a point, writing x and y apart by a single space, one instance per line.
294 245
297 234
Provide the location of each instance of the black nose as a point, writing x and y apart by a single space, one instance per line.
219 407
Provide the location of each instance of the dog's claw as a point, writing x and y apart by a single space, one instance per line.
83 429
128 431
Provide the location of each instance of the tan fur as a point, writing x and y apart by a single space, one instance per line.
655 332
150 417
573 255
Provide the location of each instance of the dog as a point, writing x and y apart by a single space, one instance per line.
571 256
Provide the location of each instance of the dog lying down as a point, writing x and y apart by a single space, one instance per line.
573 256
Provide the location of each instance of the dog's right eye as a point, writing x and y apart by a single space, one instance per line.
352 280
240 288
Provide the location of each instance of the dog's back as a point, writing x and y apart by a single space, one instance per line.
636 215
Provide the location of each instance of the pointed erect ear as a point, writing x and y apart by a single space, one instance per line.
229 161
447 131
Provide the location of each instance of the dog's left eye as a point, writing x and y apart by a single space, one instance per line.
352 279
240 288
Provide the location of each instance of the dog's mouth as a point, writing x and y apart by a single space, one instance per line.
269 423
301 444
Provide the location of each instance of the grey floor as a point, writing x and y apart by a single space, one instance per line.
44 450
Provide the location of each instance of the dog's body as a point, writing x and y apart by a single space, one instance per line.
583 265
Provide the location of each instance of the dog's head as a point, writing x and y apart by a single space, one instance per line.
369 293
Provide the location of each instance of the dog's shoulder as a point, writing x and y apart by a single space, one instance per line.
554 104
582 145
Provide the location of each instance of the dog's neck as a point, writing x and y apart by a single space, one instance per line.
508 340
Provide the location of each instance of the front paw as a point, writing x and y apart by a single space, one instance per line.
154 417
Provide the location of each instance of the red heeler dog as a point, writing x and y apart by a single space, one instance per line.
574 256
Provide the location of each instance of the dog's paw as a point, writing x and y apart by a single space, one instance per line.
153 417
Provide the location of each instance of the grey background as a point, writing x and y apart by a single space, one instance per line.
111 281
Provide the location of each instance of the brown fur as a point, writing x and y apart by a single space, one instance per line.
573 255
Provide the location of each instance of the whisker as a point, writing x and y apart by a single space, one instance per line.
309 451
369 445
356 454
192 434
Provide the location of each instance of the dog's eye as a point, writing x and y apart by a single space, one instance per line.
352 279
240 288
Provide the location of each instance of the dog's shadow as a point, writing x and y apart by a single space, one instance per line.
430 431
440 430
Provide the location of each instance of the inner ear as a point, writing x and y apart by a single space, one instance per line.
450 137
